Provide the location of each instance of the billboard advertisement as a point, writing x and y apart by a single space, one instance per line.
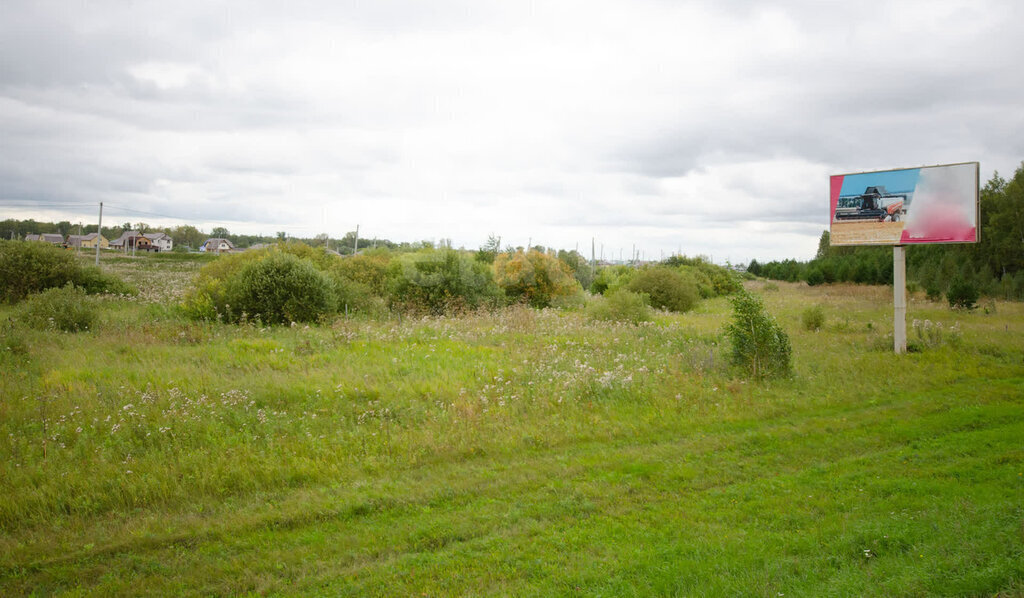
931 204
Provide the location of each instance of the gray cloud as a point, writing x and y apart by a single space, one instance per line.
709 127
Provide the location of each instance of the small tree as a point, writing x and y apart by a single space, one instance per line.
759 345
962 295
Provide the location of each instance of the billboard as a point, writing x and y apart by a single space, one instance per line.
931 204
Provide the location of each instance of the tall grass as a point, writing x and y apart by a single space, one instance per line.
516 451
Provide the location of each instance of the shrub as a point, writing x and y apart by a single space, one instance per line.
933 293
620 306
815 277
290 287
666 288
611 278
962 295
66 308
813 318
441 281
533 277
28 267
95 281
759 345
369 270
712 280
278 289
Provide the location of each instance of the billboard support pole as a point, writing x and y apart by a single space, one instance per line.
899 298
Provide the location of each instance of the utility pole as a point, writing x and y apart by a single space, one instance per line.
355 248
99 234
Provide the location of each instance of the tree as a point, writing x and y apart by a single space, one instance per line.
534 277
489 250
759 345
824 243
187 236
220 232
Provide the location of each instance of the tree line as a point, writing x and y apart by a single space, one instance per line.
993 266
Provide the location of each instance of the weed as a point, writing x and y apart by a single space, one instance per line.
620 306
813 318
65 309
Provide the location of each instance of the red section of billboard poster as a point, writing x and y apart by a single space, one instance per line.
837 186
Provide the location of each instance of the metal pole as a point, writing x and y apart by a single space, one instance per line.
99 234
355 250
899 298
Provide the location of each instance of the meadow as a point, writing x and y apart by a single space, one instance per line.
515 452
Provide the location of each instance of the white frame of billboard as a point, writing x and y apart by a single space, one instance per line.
977 207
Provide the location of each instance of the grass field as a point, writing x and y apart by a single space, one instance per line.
514 453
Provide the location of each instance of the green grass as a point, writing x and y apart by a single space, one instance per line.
517 453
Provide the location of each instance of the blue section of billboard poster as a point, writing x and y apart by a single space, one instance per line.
894 181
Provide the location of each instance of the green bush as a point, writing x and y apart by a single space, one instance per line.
666 288
535 278
441 281
611 278
815 277
297 284
95 281
712 280
620 306
66 308
278 289
29 267
962 295
369 270
759 345
813 318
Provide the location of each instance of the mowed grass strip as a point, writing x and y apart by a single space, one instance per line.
865 474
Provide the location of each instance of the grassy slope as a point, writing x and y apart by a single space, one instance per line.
517 454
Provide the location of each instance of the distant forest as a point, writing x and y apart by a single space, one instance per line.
994 266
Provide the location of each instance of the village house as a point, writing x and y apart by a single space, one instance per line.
52 238
89 241
217 246
160 241
127 240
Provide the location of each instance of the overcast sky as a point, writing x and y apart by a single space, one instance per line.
709 128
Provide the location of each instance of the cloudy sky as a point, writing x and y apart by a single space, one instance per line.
705 127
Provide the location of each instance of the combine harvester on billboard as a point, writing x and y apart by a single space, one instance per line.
931 204
874 204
